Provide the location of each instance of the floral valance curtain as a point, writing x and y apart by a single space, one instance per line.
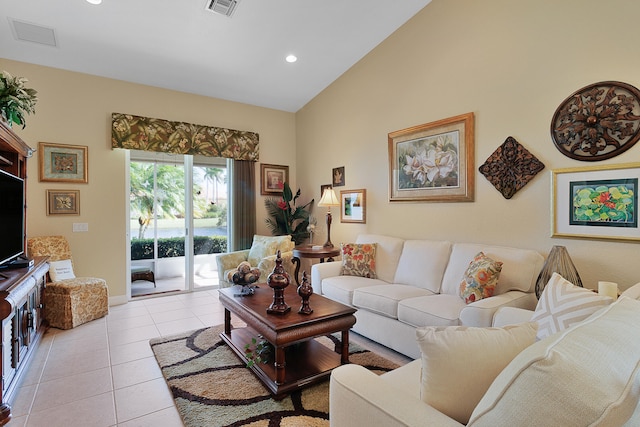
147 134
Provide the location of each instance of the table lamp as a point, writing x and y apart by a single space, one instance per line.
329 199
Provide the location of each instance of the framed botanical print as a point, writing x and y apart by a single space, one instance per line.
272 179
353 206
63 163
63 202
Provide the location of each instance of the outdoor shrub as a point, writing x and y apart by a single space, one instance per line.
174 247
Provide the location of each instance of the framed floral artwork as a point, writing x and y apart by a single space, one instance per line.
599 202
433 162
272 179
63 163
353 206
63 202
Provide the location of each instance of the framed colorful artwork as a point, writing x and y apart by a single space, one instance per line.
63 202
599 202
272 179
63 163
353 206
433 162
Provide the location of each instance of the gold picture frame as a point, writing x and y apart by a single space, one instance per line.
433 162
272 179
63 202
353 206
596 202
63 163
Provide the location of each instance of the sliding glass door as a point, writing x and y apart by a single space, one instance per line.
169 197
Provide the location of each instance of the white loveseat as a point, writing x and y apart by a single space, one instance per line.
417 285
586 374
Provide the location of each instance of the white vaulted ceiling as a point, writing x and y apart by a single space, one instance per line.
180 45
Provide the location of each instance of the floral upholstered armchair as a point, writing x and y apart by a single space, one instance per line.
68 300
261 255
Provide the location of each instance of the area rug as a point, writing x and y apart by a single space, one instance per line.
212 387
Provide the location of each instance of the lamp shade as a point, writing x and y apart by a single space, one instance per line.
329 198
559 262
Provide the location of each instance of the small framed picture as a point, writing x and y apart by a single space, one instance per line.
324 187
353 206
63 163
63 202
272 179
338 176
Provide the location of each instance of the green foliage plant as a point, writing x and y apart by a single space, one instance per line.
604 204
286 218
260 353
15 99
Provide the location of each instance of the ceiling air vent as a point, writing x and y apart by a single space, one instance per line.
33 33
223 7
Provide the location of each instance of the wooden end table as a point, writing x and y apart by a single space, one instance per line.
299 360
308 251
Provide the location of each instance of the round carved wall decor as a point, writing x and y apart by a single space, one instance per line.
598 121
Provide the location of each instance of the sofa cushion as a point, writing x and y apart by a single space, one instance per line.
422 264
264 246
388 250
459 363
520 267
588 374
383 299
340 288
480 279
358 260
433 310
563 304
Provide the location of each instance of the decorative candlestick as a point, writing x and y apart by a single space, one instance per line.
305 290
278 280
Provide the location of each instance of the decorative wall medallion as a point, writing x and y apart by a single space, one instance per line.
598 121
510 167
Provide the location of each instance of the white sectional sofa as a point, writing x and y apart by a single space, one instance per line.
417 285
586 374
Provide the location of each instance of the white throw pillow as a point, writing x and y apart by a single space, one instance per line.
61 270
459 363
587 375
563 304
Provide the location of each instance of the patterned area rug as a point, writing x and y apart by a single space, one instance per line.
212 387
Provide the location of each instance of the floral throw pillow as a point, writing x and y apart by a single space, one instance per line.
480 279
359 260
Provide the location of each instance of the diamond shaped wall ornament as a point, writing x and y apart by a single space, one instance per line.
510 167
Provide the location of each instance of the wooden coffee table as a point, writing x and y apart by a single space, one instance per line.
299 360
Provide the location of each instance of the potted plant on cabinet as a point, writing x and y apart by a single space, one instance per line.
16 100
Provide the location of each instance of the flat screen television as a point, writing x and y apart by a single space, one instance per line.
11 217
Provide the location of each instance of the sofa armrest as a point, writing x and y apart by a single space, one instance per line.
228 261
633 292
510 316
480 313
358 397
321 271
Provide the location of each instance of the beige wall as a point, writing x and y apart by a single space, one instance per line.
509 62
76 108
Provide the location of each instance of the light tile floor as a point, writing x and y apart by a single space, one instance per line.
103 373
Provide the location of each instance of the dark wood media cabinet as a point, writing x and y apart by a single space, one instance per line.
22 327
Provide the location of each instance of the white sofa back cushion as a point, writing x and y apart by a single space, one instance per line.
422 264
520 267
388 252
588 374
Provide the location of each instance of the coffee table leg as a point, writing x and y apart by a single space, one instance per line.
227 322
280 365
345 347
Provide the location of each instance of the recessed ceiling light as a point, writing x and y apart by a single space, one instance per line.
94 1
291 58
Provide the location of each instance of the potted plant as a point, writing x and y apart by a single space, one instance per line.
16 100
286 217
261 352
